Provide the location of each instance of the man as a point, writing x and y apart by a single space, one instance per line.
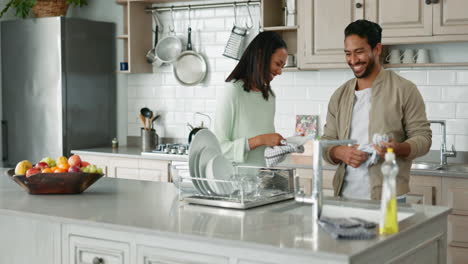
376 101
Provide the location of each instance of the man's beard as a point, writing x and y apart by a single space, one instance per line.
368 70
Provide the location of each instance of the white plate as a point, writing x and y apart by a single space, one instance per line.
203 138
220 168
207 154
193 169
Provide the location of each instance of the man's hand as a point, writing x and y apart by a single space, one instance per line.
400 149
349 155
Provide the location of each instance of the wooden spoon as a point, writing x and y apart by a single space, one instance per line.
143 121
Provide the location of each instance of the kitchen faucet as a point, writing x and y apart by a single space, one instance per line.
317 195
444 153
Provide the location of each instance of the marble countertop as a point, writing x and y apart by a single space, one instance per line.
291 161
129 152
154 208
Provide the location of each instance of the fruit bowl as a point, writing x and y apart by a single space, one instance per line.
55 183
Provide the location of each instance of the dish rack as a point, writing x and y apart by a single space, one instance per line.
248 187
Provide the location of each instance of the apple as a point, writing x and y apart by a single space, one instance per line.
84 163
22 167
74 160
32 171
99 170
92 168
74 169
50 161
41 165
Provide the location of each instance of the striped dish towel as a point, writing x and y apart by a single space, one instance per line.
276 154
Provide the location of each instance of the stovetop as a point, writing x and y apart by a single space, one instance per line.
174 149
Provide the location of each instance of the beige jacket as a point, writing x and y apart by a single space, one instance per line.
397 108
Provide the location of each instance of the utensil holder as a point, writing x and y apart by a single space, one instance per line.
149 139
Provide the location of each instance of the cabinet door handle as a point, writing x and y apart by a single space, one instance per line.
428 2
5 140
97 260
358 5
435 1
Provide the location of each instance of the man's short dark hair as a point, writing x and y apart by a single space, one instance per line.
365 29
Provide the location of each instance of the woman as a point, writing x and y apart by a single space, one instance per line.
244 122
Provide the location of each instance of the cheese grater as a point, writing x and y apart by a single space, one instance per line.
235 43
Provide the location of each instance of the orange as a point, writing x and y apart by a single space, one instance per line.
64 166
47 170
59 170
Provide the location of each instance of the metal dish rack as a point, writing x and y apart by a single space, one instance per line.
250 186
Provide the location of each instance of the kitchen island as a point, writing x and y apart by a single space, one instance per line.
129 221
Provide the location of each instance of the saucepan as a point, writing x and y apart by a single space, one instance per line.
169 48
151 55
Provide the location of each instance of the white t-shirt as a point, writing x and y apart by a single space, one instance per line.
356 180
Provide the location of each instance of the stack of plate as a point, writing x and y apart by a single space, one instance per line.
206 161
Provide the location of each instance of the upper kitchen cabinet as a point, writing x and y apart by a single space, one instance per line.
136 36
275 18
322 23
320 37
419 21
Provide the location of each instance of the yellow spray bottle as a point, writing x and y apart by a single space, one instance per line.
388 208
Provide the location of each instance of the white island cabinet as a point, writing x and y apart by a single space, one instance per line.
122 221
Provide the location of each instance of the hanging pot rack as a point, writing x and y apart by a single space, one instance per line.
203 6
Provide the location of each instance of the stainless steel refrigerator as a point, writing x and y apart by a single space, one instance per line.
58 87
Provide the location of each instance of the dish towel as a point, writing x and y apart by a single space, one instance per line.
276 154
348 228
373 157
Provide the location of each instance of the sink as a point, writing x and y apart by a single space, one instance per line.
462 168
425 166
457 168
337 210
367 214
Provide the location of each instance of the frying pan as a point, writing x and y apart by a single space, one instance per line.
190 67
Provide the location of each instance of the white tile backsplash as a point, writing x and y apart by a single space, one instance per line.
462 77
441 110
462 110
445 91
417 77
441 77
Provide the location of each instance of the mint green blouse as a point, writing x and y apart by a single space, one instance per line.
241 115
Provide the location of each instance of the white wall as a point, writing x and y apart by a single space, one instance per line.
307 92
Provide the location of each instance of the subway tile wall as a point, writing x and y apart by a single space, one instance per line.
445 91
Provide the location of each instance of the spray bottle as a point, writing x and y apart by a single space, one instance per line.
388 208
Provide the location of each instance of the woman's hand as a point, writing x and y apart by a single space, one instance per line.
270 140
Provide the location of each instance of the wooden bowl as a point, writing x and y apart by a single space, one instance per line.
55 183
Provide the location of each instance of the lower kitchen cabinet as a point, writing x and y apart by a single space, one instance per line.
425 190
86 250
131 168
457 255
455 195
306 177
156 255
